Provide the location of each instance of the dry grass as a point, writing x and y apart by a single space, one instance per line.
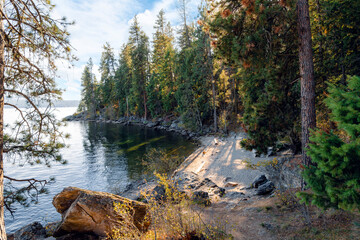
176 217
330 224
281 217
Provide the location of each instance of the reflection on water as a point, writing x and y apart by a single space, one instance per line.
101 157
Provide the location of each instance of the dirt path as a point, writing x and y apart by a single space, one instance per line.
252 217
222 161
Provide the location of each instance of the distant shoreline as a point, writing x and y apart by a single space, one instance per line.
21 103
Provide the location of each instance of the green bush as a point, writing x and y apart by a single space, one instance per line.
335 176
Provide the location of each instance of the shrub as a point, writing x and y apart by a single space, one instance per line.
174 217
160 161
335 176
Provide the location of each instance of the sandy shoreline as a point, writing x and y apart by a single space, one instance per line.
222 161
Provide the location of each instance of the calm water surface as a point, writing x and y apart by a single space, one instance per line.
101 157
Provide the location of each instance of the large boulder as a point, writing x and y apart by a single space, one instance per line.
85 211
259 180
286 173
265 188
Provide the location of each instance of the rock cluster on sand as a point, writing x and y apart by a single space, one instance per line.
202 189
263 185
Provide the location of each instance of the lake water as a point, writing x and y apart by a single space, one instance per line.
101 157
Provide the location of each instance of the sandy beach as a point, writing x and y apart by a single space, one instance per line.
222 161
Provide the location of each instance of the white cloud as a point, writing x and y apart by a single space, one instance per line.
100 21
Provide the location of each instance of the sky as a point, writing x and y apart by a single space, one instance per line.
101 21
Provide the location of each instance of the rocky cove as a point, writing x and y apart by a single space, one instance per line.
215 175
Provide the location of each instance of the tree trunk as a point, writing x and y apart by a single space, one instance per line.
145 107
213 85
308 114
2 81
214 101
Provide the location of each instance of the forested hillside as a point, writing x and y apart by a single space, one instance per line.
238 65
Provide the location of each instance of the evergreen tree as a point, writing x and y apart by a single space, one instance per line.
194 71
88 82
258 43
335 177
107 70
123 78
31 42
161 85
139 43
185 31
335 30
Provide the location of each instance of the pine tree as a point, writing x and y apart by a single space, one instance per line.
123 78
257 40
185 31
335 30
195 75
107 70
161 85
335 176
30 44
88 82
306 64
139 43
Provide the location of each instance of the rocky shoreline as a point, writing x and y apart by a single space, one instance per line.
170 124
227 195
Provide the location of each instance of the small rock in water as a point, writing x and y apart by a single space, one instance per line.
32 231
51 227
265 188
259 181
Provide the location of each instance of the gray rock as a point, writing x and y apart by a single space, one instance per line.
192 182
265 188
268 226
286 173
227 179
201 197
33 231
174 126
51 227
234 195
150 125
219 191
159 193
259 180
206 182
